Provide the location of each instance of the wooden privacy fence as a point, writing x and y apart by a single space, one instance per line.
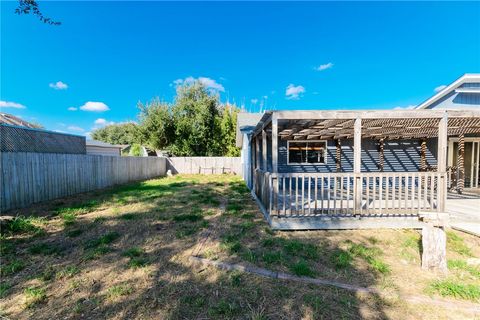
298 194
27 178
205 165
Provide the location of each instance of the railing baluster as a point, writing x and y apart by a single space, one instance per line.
348 193
322 195
309 199
329 194
316 196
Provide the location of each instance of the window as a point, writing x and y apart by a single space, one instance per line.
307 152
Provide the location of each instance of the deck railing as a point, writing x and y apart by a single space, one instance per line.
307 194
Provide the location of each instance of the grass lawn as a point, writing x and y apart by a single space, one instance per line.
123 253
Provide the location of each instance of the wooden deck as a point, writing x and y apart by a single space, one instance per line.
347 200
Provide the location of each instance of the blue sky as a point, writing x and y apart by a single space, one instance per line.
311 55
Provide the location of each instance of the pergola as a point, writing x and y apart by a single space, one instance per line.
380 125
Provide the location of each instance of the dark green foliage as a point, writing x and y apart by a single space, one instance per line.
103 240
74 233
224 308
195 124
23 225
191 217
4 286
122 133
11 267
302 268
44 248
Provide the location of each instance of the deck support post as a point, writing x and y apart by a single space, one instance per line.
257 152
461 163
357 160
434 240
442 162
264 149
274 143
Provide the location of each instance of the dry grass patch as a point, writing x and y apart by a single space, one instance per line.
122 253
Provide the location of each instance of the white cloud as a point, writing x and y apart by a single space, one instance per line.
405 107
440 88
72 109
324 66
59 85
11 104
207 82
100 122
254 101
294 92
75 128
94 106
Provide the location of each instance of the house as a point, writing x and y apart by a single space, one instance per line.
100 148
12 120
463 150
348 169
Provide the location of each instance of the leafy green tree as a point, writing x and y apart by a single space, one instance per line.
136 150
195 114
156 124
122 133
228 125
196 124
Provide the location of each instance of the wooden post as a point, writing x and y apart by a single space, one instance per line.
381 157
434 249
423 155
461 163
264 149
442 162
357 161
257 152
338 158
274 143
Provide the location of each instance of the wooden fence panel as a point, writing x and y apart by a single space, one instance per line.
205 165
27 178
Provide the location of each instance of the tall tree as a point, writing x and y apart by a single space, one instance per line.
195 113
228 126
156 124
122 133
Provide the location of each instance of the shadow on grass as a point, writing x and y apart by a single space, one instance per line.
134 263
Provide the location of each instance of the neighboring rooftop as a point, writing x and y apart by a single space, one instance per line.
469 83
10 119
102 144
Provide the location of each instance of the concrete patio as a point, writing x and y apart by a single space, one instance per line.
465 211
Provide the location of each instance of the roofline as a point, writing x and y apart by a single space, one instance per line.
360 114
457 83
41 130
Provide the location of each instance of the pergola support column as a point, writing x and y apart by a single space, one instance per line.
274 143
357 161
442 162
423 155
381 156
264 149
338 155
461 163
